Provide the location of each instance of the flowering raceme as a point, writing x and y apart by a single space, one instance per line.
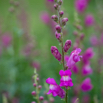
74 57
65 78
54 88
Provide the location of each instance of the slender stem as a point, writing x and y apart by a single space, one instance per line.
59 22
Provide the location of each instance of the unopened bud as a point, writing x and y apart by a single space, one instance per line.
39 87
33 93
67 45
34 84
60 2
58 36
56 53
11 2
55 18
75 33
56 6
41 98
51 99
58 28
82 36
61 13
64 21
37 79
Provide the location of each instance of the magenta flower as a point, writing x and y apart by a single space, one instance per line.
94 40
81 5
6 40
75 69
66 58
58 36
45 17
89 20
54 88
74 57
87 55
86 69
56 53
67 45
65 78
86 85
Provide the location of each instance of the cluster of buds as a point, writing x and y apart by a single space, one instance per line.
37 88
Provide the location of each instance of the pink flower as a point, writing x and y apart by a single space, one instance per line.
65 78
94 40
36 65
86 85
89 20
54 88
45 17
87 55
75 69
66 58
6 40
81 5
56 53
86 69
74 57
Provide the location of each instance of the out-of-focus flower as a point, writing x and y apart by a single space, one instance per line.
81 5
86 70
56 53
36 65
65 78
86 85
94 40
89 20
66 58
86 99
45 17
75 69
54 88
87 55
6 40
74 57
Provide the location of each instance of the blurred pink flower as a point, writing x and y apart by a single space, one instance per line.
36 65
94 40
75 69
6 39
45 17
89 20
86 70
86 85
51 0
81 5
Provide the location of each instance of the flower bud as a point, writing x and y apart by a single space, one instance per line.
67 45
82 36
41 98
37 79
75 33
58 28
56 6
64 21
11 9
33 93
56 53
58 36
61 13
60 2
39 87
45 101
79 27
55 18
34 84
